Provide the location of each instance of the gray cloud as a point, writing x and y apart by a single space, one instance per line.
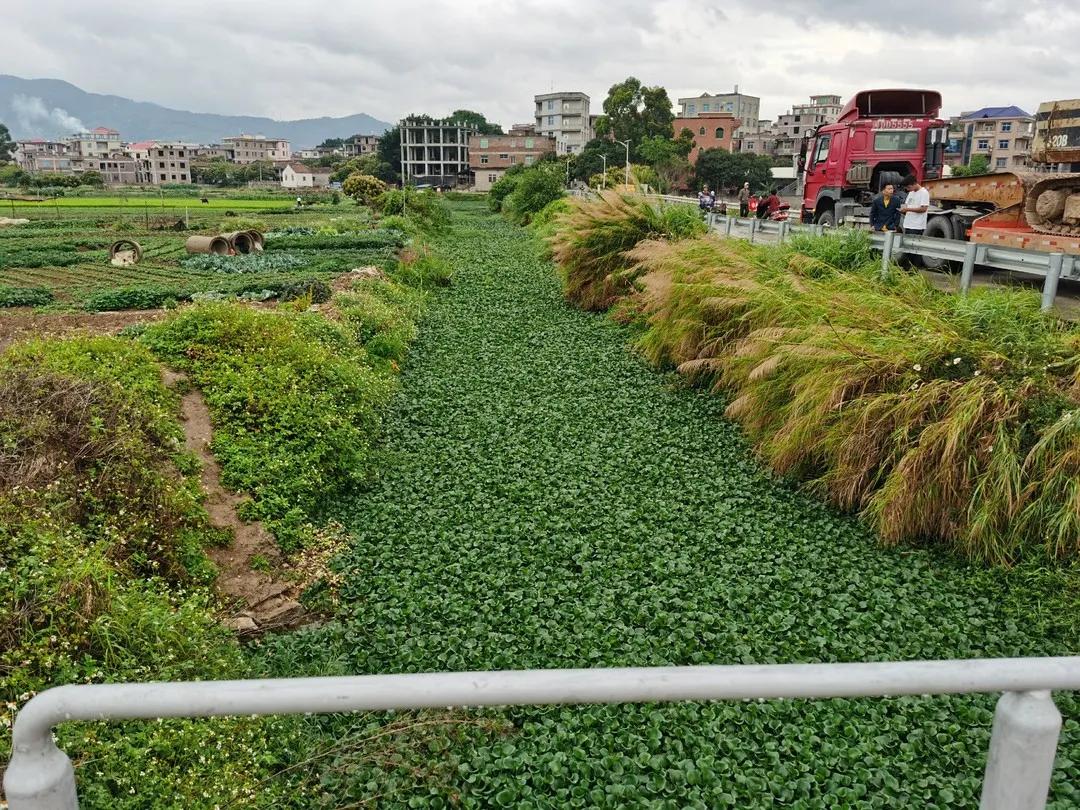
390 59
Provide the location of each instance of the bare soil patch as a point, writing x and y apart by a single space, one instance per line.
259 600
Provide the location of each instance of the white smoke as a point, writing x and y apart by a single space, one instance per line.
35 118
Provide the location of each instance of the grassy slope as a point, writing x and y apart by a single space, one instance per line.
554 503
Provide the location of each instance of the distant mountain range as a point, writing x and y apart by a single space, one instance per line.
49 108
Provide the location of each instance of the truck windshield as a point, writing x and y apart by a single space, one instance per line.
896 140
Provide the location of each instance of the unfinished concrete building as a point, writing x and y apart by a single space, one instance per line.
435 153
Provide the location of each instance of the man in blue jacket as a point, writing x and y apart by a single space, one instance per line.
885 210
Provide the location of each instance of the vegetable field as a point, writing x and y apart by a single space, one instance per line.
64 263
550 501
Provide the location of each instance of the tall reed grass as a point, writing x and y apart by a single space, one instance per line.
940 418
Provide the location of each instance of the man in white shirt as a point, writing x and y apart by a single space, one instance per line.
915 206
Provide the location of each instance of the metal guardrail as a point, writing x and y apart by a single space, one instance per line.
1019 763
1051 267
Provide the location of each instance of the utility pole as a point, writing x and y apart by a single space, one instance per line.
568 159
603 177
626 143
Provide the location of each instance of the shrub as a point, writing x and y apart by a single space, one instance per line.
422 268
317 291
363 188
102 571
501 189
383 316
537 187
294 400
423 207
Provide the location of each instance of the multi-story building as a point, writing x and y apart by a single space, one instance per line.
99 142
160 162
564 117
1002 134
712 130
215 151
116 170
28 153
822 109
743 107
491 155
784 137
762 142
360 145
250 148
435 153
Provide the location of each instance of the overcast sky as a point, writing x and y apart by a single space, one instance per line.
305 58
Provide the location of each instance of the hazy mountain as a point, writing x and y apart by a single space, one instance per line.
49 108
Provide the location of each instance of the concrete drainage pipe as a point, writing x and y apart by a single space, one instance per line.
208 244
240 241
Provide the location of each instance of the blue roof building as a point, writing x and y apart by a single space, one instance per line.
1002 135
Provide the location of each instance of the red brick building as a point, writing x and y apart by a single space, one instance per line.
711 131
491 155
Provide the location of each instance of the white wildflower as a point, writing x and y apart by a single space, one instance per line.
956 361
917 367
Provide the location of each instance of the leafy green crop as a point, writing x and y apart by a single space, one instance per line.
24 296
249 263
552 502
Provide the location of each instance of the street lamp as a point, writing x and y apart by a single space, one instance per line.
603 177
626 143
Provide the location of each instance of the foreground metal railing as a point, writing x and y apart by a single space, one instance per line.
1018 769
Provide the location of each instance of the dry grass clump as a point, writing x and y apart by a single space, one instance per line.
589 242
939 418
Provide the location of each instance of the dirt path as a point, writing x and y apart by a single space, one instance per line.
23 324
259 600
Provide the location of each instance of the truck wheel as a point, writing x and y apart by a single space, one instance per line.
827 219
938 228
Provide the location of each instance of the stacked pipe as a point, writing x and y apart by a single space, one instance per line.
227 244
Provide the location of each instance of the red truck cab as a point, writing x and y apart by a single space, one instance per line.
881 136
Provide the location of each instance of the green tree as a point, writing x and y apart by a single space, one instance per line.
725 171
365 164
331 143
389 152
590 161
91 177
7 146
658 149
979 164
536 187
12 175
483 126
636 113
363 187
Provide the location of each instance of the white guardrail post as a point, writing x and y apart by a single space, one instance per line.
887 252
968 271
1023 744
1020 761
1050 285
